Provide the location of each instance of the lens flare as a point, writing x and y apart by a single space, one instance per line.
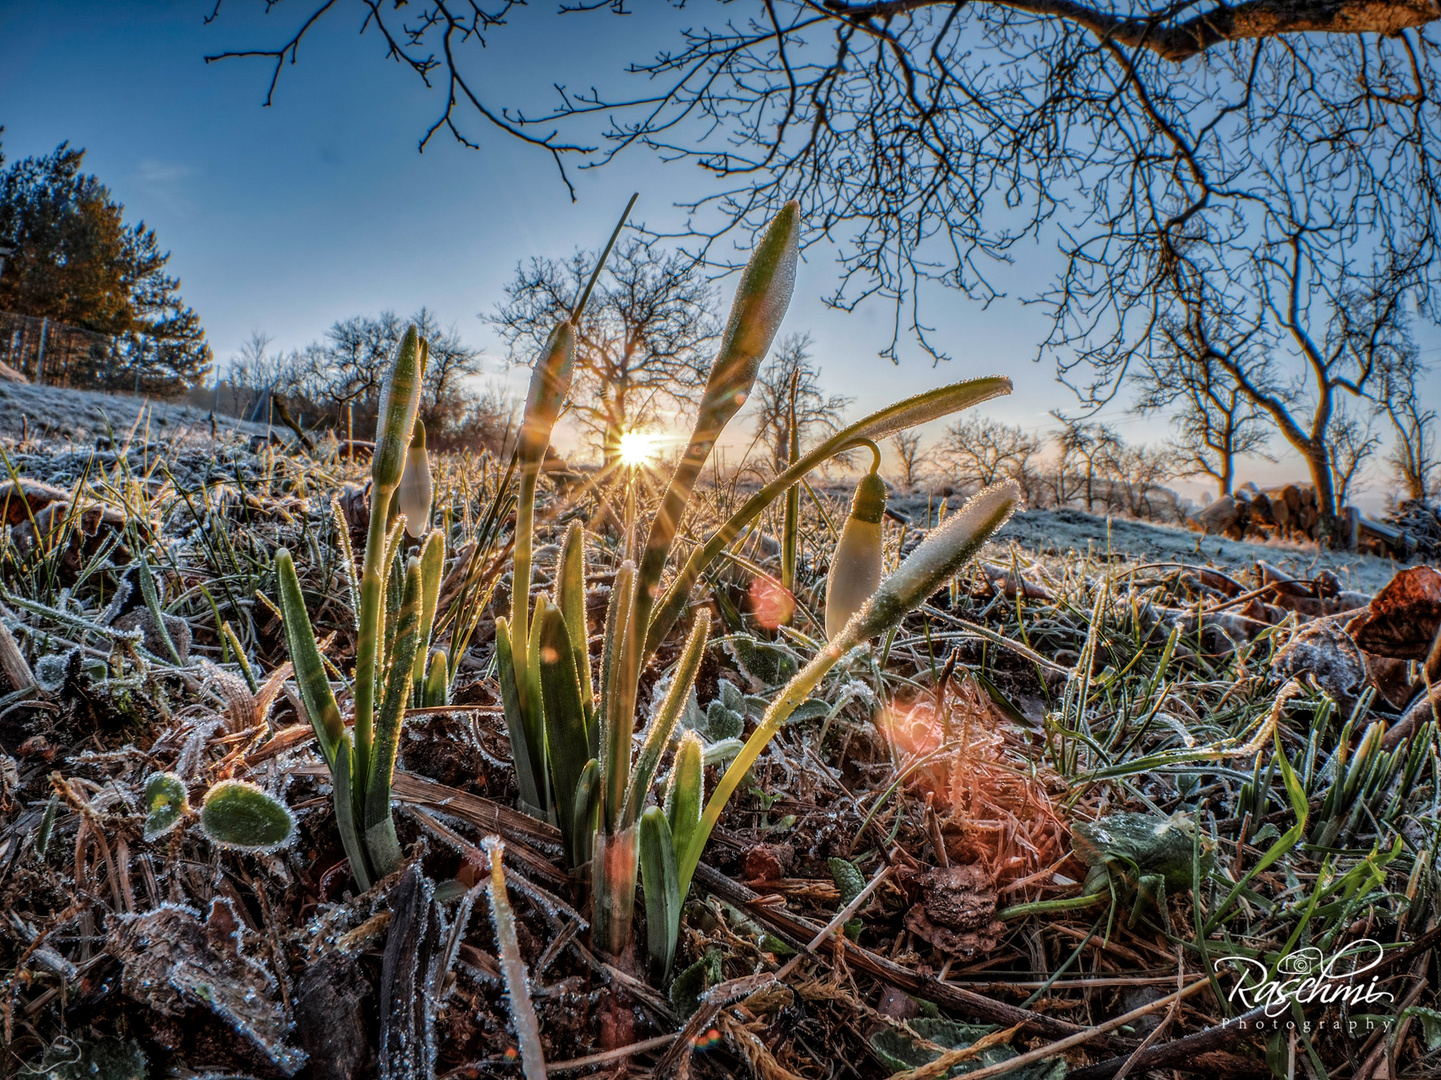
637 448
772 603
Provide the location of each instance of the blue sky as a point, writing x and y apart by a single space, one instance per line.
285 219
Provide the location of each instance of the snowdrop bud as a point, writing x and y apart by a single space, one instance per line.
416 490
399 402
760 303
550 380
932 564
856 563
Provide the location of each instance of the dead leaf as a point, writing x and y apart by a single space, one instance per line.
1390 677
767 862
1325 652
21 498
955 909
1403 618
173 961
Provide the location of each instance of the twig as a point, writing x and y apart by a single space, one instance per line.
608 1056
1061 1045
522 1012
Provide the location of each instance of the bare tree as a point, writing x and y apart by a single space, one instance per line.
1413 453
788 391
907 445
1299 336
984 450
1216 421
253 369
1139 480
1264 166
639 345
1092 451
898 124
341 375
1353 443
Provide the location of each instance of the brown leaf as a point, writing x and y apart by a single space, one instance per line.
1403 618
955 910
172 960
1390 677
1328 654
21 498
767 862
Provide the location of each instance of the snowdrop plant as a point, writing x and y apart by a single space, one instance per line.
396 613
572 726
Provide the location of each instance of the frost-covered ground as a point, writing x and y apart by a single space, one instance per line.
1060 532
62 416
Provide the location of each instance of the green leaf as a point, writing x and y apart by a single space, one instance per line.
570 598
237 814
47 826
1152 843
565 727
432 562
683 798
848 878
310 676
899 1052
437 680
526 753
769 663
662 890
346 824
585 814
664 721
690 984
379 826
722 723
166 804
618 715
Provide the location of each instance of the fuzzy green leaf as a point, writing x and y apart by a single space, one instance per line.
565 727
664 721
310 676
237 814
346 821
166 804
432 562
379 826
683 797
526 752
662 890
570 598
437 680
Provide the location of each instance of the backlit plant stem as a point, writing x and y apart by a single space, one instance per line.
399 403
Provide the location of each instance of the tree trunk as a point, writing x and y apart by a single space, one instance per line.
610 443
1319 462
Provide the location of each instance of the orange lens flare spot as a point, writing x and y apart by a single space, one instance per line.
771 603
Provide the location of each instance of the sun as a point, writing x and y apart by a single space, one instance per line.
638 448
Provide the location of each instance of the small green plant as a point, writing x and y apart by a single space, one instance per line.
237 814
234 814
394 664
572 736
166 804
